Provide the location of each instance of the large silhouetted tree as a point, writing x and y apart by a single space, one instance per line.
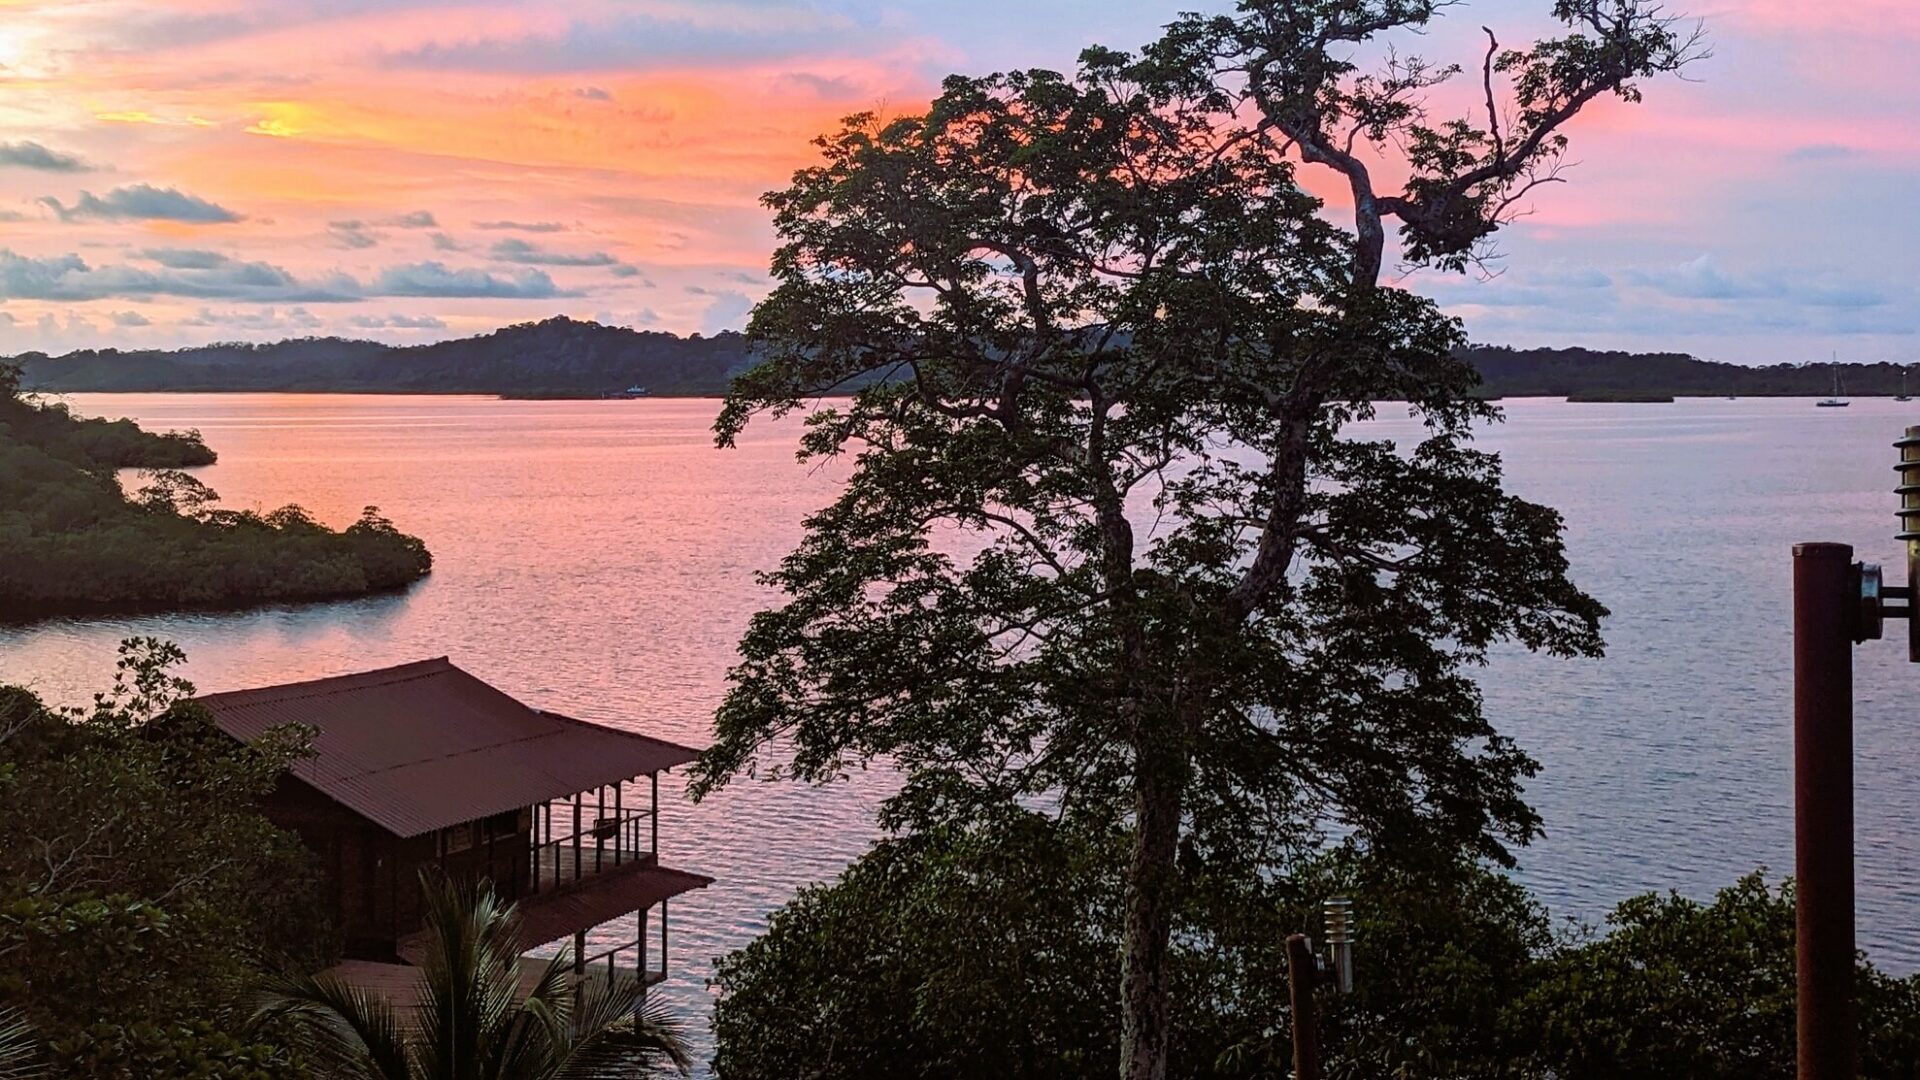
1109 543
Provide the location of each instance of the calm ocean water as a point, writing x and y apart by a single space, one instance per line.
599 558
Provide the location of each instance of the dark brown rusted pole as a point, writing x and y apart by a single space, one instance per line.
1825 599
1301 978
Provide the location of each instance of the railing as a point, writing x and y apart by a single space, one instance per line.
602 845
590 833
607 962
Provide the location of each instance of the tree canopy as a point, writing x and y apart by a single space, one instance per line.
1111 539
132 852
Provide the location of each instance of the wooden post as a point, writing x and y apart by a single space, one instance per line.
1301 978
620 823
654 816
576 836
393 892
1826 594
640 959
579 962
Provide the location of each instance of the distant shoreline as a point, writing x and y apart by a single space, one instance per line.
1649 398
573 360
307 392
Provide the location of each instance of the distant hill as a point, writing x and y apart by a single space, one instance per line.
560 356
1589 373
563 357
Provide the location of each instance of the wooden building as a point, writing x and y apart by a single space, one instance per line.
424 767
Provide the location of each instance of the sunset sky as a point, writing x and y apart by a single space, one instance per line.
173 173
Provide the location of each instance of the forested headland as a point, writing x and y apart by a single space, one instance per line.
73 540
1620 376
558 357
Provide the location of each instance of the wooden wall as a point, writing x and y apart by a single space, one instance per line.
373 876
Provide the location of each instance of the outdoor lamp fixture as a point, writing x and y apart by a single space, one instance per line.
1837 603
1306 970
1339 919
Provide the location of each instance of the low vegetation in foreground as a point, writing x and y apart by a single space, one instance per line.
992 950
73 540
131 869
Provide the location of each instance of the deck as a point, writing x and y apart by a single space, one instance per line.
400 983
578 906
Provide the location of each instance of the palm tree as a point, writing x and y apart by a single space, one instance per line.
471 1022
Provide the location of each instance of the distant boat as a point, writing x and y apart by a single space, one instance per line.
635 391
1835 401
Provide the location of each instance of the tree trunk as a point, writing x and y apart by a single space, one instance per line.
1152 892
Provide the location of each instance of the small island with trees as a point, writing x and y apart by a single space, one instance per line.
73 540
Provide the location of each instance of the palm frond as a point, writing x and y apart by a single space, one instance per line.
617 1028
534 1040
554 988
471 978
472 1021
348 1031
19 1053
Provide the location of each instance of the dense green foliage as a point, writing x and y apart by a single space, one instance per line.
473 1023
93 443
132 913
988 951
192 1049
1679 988
555 357
72 540
991 952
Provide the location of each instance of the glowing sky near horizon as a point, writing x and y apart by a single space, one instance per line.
178 172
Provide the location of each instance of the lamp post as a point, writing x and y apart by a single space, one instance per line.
1837 604
1306 970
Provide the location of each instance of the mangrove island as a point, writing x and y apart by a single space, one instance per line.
73 540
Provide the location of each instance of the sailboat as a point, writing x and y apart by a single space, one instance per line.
1834 401
1903 395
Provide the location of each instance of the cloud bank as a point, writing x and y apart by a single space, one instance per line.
207 275
520 251
143 202
27 154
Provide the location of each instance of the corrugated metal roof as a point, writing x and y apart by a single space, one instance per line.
425 745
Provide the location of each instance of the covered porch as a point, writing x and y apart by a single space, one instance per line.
607 827
619 903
